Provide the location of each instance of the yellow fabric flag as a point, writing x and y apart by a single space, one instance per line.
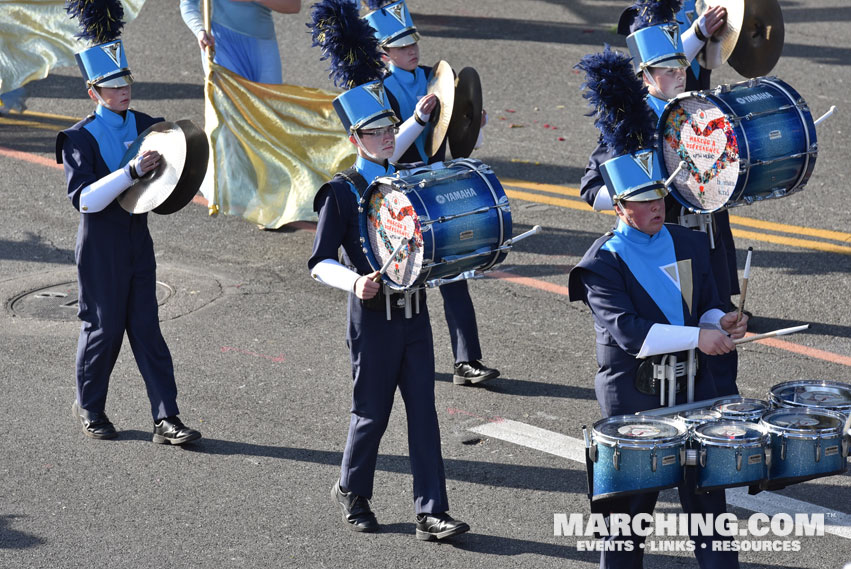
272 147
38 35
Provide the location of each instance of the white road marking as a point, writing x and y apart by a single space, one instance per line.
769 503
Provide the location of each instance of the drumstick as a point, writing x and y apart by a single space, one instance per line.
825 115
680 166
781 332
389 261
745 277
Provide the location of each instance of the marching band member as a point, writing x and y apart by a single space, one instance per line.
385 353
648 286
116 268
406 85
662 65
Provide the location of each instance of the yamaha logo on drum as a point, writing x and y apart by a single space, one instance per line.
754 98
464 194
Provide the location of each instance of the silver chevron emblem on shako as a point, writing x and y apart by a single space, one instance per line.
377 92
672 32
113 51
398 12
644 159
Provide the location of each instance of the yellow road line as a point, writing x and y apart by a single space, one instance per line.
782 227
550 188
30 124
744 234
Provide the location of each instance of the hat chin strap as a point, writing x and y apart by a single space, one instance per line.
362 146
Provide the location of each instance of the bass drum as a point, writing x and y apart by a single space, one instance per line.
455 216
741 143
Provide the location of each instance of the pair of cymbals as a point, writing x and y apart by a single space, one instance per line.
184 154
753 39
459 112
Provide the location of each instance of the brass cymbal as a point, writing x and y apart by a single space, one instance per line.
442 83
753 39
761 40
466 115
184 150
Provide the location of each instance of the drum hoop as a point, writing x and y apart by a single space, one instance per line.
773 81
825 383
466 162
750 442
799 433
677 440
426 268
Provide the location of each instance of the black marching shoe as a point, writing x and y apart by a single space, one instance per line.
356 511
438 526
473 372
95 425
172 431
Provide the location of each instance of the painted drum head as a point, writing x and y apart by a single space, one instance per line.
390 219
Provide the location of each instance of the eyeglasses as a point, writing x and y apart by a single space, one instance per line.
383 131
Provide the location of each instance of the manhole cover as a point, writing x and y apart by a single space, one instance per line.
59 302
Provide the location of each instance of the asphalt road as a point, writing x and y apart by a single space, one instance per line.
259 350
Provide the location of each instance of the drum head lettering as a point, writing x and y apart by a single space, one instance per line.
639 431
390 219
697 132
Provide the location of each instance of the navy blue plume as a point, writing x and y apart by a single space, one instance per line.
100 20
654 12
616 95
348 41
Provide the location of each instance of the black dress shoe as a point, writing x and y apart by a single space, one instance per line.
438 526
95 425
356 510
473 372
172 431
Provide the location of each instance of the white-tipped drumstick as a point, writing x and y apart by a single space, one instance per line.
670 180
781 332
389 261
825 115
745 277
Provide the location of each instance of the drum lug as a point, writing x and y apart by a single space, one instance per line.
360 209
738 459
768 457
364 250
653 460
703 458
683 457
592 452
783 447
616 458
362 240
818 449
845 444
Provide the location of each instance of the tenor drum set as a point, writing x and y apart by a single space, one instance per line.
802 432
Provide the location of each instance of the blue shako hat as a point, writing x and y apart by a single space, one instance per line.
393 24
627 125
350 43
655 39
105 63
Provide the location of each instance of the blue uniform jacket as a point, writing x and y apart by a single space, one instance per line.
624 313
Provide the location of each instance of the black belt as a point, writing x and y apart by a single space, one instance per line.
649 385
397 300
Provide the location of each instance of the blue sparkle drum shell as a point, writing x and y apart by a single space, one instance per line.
813 394
633 454
742 143
806 443
741 409
729 454
455 214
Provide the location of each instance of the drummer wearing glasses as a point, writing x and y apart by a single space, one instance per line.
388 350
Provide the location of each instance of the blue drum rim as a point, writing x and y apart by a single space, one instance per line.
794 433
753 442
667 442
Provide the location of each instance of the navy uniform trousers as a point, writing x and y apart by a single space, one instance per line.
116 273
616 287
385 354
457 304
